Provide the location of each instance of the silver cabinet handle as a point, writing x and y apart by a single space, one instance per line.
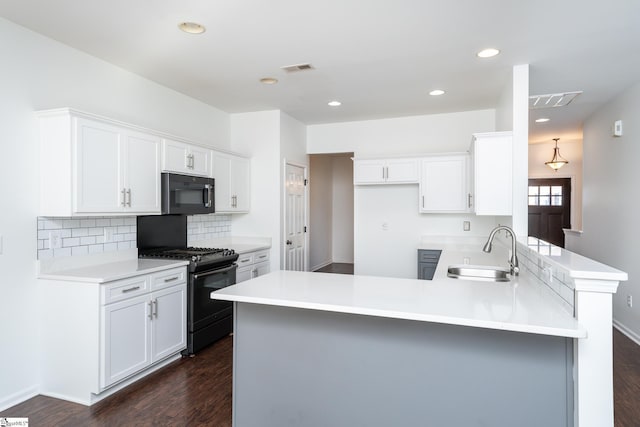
150 315
262 256
123 202
383 168
154 304
171 279
469 199
128 192
244 260
135 288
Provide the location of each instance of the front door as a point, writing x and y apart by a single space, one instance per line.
549 209
295 227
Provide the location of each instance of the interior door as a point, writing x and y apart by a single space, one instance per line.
549 209
295 214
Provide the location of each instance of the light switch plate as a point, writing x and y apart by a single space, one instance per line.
617 128
55 239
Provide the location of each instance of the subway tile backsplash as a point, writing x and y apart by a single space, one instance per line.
552 276
91 235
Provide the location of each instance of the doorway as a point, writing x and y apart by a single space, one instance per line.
331 211
549 209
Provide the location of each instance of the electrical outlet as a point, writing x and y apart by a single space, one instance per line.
55 239
108 234
466 225
629 301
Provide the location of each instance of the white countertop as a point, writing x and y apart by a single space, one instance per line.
107 272
520 305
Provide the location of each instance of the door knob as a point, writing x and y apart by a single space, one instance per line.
289 242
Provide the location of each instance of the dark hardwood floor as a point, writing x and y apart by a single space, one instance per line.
197 392
192 391
336 267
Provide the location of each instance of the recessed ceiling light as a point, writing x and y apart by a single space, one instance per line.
488 53
191 27
269 80
334 103
542 120
436 92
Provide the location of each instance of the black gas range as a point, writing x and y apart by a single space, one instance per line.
199 258
165 237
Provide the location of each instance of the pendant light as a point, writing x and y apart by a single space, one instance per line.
557 161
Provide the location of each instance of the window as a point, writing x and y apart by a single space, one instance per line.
545 195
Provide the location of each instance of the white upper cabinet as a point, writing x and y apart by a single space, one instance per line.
232 176
444 184
188 159
385 171
92 166
492 174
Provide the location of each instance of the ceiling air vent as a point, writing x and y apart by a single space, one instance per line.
552 100
297 67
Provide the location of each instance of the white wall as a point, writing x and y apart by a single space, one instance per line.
39 73
393 252
434 133
320 211
293 149
258 136
570 150
342 209
610 200
504 109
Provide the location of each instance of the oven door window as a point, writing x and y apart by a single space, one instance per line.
205 310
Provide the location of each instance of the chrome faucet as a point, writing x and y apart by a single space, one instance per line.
513 261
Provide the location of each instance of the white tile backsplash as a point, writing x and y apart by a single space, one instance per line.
538 266
82 236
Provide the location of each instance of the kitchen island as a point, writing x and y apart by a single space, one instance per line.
320 349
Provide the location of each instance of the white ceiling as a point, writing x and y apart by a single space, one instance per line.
379 57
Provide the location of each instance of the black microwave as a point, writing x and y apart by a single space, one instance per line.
187 195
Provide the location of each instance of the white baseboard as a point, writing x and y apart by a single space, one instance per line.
19 397
323 264
626 331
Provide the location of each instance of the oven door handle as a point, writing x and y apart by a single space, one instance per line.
220 270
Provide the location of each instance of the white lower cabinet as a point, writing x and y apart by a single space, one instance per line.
252 265
99 337
142 330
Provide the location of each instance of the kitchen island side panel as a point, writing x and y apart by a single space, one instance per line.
298 367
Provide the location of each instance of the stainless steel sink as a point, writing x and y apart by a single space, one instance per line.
486 273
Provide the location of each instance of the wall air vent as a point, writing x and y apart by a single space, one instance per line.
297 67
552 100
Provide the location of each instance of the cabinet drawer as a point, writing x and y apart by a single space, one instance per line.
124 289
245 259
164 279
261 256
429 255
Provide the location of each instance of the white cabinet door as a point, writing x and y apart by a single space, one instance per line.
492 173
369 172
262 268
232 176
142 172
169 317
444 184
183 158
126 339
175 156
200 161
402 171
241 183
97 180
244 273
385 171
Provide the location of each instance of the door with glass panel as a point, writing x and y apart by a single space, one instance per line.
549 209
